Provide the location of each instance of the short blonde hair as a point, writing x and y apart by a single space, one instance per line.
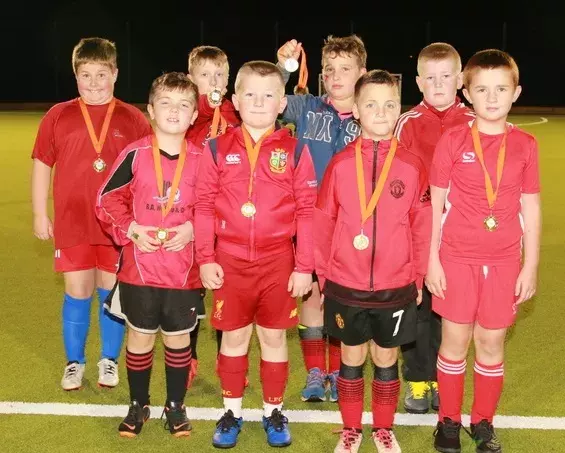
376 77
200 54
174 81
95 50
438 51
490 59
261 68
345 46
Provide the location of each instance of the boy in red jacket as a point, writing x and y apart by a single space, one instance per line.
439 78
147 203
372 223
486 214
256 191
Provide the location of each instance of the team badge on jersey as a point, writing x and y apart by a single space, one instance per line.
278 160
339 321
397 188
218 311
293 313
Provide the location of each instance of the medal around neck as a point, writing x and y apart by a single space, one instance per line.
361 242
291 65
162 234
248 209
215 97
99 165
491 223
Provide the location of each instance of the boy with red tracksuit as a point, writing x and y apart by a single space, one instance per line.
147 204
484 253
439 78
373 221
256 191
209 69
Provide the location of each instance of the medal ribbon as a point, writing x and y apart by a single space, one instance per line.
98 143
491 193
253 152
218 120
303 74
367 210
159 174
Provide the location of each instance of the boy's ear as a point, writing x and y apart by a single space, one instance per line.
282 104
115 75
517 93
235 101
190 77
150 111
420 83
467 96
194 116
459 80
355 111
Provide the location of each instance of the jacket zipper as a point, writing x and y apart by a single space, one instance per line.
374 241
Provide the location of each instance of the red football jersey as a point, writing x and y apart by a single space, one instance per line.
63 142
456 167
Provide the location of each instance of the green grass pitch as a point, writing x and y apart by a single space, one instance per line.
33 359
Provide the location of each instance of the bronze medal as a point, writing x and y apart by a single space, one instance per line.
99 165
491 223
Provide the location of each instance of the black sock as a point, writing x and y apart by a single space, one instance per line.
139 375
194 341
177 364
219 334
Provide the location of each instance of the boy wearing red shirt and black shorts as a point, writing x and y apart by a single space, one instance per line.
486 212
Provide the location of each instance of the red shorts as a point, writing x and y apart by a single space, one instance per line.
86 256
482 294
255 292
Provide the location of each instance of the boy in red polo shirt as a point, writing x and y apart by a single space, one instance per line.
486 217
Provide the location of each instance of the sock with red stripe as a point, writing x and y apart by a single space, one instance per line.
274 377
351 390
139 374
334 354
386 389
177 365
313 347
488 381
451 382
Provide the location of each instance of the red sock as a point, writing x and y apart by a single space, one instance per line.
451 382
489 380
313 347
334 354
232 372
384 402
351 394
274 376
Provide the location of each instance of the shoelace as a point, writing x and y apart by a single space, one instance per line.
348 437
384 437
450 429
277 420
227 422
485 432
131 417
315 378
174 417
110 368
71 371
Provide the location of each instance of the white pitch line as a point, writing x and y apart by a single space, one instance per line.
543 121
255 415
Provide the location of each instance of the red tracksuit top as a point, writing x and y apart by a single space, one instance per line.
420 128
130 193
398 230
284 194
199 132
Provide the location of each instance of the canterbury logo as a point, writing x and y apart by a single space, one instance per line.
468 157
233 159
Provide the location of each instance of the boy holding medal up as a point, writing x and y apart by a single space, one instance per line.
371 257
82 138
147 203
486 212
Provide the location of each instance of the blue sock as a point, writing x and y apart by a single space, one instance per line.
112 329
76 321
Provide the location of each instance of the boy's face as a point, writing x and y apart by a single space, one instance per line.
492 93
208 75
340 73
439 81
259 100
95 82
173 111
377 108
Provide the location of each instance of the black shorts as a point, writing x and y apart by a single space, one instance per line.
387 327
147 309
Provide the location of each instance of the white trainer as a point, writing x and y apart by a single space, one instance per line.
72 377
385 441
108 373
349 441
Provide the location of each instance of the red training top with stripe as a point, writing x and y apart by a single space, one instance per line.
398 230
199 132
420 128
284 193
130 193
456 167
63 141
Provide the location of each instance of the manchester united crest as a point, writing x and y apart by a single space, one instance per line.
278 160
339 321
397 188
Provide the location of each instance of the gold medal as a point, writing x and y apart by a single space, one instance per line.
491 223
215 97
99 165
248 209
361 242
162 234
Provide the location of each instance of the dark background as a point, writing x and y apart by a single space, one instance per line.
155 38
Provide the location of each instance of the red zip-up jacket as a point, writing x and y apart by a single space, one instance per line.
398 230
420 128
130 193
199 132
284 194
